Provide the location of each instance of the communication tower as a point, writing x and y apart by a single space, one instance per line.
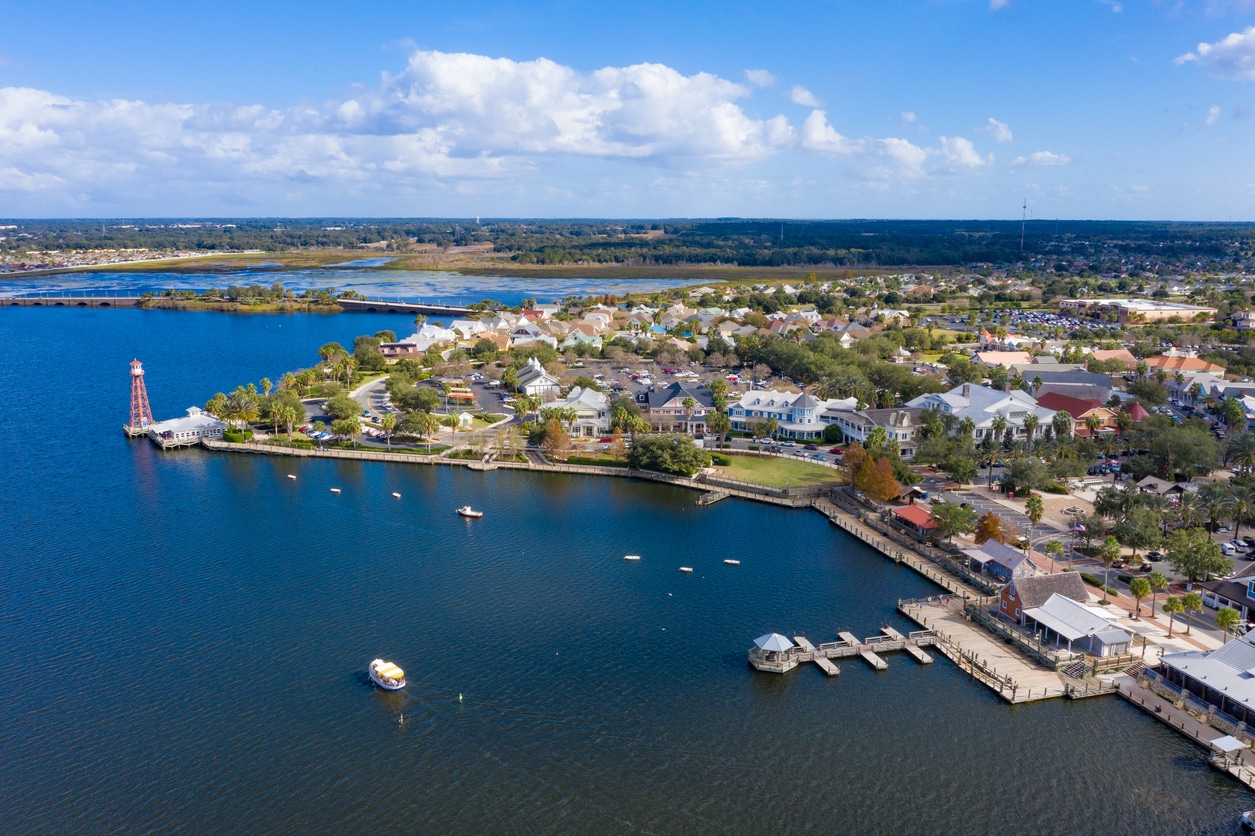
141 412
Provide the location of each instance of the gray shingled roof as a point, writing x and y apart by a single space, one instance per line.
1035 591
656 399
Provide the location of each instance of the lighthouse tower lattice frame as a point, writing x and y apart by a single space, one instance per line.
141 412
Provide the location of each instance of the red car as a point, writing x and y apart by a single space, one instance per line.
837 451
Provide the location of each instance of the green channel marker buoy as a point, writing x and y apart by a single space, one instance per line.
459 697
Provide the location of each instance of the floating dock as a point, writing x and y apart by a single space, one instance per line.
848 646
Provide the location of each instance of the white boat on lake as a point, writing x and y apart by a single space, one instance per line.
468 511
631 557
387 675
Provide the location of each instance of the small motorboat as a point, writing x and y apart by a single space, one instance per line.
468 511
397 495
290 476
732 562
335 490
387 675
688 570
1247 822
631 557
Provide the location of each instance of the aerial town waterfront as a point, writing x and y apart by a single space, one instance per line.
710 418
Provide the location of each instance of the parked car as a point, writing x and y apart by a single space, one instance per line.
1155 556
1238 545
1227 549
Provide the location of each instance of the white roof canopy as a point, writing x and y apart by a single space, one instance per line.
774 642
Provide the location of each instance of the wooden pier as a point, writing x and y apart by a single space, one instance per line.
847 646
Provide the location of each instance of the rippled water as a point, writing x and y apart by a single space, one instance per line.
433 286
184 641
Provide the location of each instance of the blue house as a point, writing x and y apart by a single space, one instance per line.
1000 561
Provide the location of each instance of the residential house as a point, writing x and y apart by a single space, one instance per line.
1026 593
1080 409
665 409
901 424
592 412
1003 359
1122 354
1193 388
1000 561
798 415
1074 384
984 405
1238 593
533 380
1170 364
1160 487
1243 320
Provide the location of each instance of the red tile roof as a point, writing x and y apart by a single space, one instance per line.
916 516
1076 407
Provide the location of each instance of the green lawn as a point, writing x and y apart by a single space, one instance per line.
777 473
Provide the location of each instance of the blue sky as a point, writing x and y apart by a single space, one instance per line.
883 108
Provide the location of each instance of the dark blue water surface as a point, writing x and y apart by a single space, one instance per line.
184 636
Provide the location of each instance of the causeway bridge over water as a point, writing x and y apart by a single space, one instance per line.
397 306
70 301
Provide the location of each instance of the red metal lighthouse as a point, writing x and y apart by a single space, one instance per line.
141 412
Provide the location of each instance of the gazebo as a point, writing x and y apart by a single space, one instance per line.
773 653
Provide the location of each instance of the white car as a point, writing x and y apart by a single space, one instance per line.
1227 549
787 443
1239 545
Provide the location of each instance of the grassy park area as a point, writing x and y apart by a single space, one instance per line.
779 473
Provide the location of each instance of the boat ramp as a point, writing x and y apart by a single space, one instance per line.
775 653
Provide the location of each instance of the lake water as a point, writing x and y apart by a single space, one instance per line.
434 286
184 638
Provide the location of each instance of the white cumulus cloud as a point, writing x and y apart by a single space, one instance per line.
1213 115
760 78
1042 159
800 95
960 154
1232 58
1000 130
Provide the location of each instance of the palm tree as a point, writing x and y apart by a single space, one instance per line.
1227 618
1124 421
1031 423
1191 602
1054 550
1190 511
1172 606
288 416
1092 423
1158 583
1241 451
427 424
288 381
1108 554
1034 509
388 423
1139 588
266 386
1212 496
1239 503
1062 424
998 426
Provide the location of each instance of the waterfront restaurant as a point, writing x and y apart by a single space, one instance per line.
916 520
1224 677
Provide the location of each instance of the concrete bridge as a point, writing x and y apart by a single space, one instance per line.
397 306
70 301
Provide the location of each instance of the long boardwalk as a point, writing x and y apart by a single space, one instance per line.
1011 674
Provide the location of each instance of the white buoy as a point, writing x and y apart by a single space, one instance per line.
290 476
397 495
335 490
